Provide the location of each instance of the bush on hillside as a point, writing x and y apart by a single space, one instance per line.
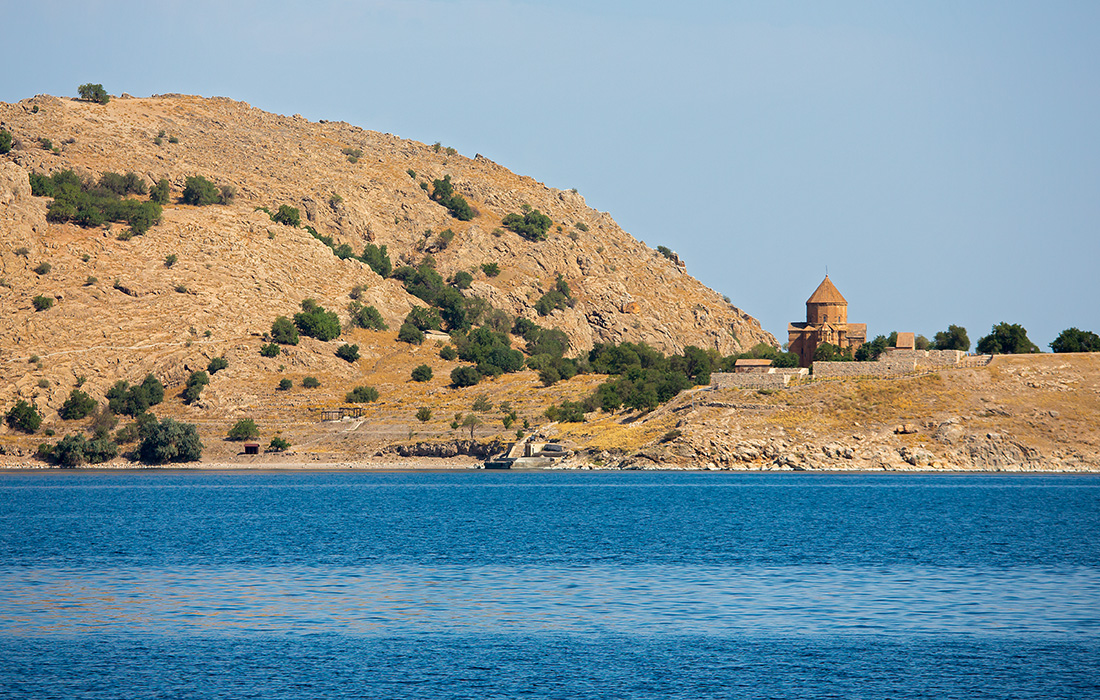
422 373
126 400
287 215
195 384
216 364
377 259
1076 340
361 394
94 93
23 417
77 406
200 192
1006 339
270 350
283 331
315 322
534 225
954 338
160 192
465 376
408 333
366 317
41 303
444 193
244 429
350 353
5 141
170 441
88 205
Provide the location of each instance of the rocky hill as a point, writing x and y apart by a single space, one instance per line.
121 311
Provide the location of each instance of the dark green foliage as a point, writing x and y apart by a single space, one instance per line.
663 250
533 225
347 352
366 317
23 417
94 93
827 352
270 350
41 303
77 406
422 373
278 444
89 205
343 251
5 141
283 331
195 384
443 240
465 376
448 352
216 364
130 183
310 382
126 400
43 268
1006 339
285 384
74 450
425 319
462 279
422 281
362 394
557 298
200 191
315 322
954 338
353 154
377 259
408 333
173 139
568 412
170 441
491 269
482 404
244 429
287 215
581 226
1076 340
160 192
490 349
871 350
423 414
444 193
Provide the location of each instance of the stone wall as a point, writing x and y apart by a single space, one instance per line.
896 362
776 378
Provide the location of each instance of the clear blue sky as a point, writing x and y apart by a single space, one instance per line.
941 158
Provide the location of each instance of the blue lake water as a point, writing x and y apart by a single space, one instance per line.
548 585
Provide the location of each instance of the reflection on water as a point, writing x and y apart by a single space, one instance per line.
400 600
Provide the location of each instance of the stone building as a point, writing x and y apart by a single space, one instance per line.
826 322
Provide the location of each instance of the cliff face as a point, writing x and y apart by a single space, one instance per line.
120 311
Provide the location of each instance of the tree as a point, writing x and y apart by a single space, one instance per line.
377 259
170 441
317 323
285 384
465 376
69 451
1006 339
422 373
423 414
244 429
408 333
347 352
200 191
24 417
125 400
5 141
362 394
1076 340
954 338
870 351
366 317
160 192
216 364
471 421
270 350
94 93
77 406
482 404
195 384
532 225
283 331
287 215
278 444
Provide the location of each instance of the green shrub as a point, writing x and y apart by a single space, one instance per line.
462 279
315 322
465 376
362 394
491 269
408 333
366 317
199 191
1076 340
170 441
173 139
443 239
94 93
666 252
482 404
347 352
160 192
377 259
443 192
285 384
284 332
42 303
43 268
126 400
195 384
45 144
278 444
448 352
270 350
425 319
77 406
954 338
422 373
74 450
353 154
557 298
581 226
244 429
170 259
311 383
533 225
216 364
1006 339
412 173
5 141
23 417
287 215
423 414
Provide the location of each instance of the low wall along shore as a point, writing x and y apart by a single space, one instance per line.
892 363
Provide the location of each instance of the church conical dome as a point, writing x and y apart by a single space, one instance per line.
827 293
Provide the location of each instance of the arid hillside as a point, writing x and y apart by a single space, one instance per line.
121 310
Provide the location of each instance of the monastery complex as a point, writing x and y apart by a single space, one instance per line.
826 322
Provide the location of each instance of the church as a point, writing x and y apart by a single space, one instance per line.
826 322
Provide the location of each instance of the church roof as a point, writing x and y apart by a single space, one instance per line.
826 293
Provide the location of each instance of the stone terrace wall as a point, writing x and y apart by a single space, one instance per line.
896 362
776 379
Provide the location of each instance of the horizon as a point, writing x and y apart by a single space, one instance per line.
939 161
